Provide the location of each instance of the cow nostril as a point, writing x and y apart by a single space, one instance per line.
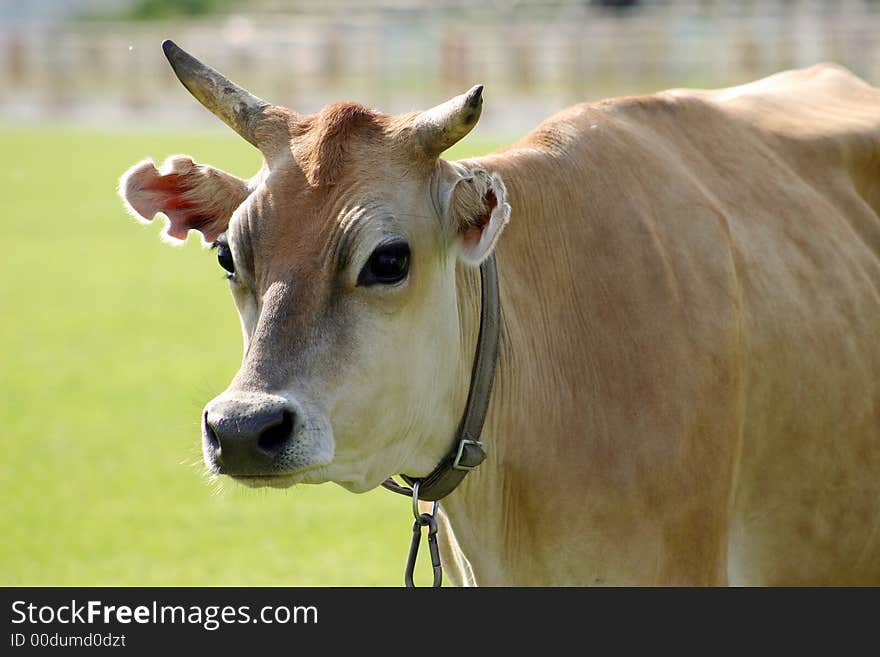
210 434
273 439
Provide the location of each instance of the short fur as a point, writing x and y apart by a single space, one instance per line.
324 139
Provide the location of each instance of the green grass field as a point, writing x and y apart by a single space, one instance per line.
112 342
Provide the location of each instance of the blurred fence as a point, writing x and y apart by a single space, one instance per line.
533 57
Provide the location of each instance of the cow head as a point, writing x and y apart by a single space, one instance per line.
341 256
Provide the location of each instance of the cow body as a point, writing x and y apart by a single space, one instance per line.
689 382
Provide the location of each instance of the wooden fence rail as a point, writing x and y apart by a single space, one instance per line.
536 57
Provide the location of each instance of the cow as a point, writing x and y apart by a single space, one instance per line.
687 388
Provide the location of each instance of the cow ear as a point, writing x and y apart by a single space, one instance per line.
192 196
479 211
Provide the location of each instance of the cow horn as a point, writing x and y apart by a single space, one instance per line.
440 127
239 109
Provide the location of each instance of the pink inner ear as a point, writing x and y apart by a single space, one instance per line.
472 235
148 192
474 230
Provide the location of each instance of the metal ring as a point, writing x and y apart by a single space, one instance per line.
415 504
415 499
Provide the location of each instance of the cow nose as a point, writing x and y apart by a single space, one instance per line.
246 441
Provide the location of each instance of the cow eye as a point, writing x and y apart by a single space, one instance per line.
388 264
224 257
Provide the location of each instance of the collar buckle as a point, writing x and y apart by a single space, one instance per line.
468 459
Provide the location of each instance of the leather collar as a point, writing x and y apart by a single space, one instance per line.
467 450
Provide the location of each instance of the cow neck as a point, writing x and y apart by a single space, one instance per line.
467 450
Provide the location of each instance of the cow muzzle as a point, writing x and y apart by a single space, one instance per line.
253 436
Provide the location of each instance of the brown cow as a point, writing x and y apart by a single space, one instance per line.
688 385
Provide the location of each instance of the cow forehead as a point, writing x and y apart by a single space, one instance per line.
330 145
284 208
289 222
345 154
